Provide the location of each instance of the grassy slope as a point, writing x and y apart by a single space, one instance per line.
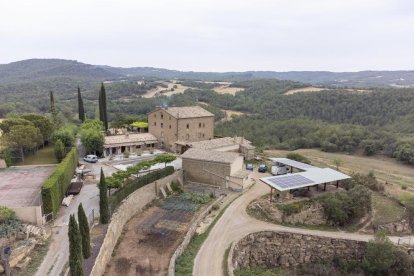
41 157
385 169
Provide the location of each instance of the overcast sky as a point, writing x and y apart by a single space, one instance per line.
213 35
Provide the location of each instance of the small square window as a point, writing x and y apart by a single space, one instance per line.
170 127
155 123
162 125
188 126
162 116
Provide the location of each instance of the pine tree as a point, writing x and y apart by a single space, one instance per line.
103 115
103 200
75 248
84 232
80 107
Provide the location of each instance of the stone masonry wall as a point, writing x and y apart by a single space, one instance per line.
129 207
273 249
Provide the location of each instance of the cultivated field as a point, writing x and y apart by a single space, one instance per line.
311 89
304 90
166 91
230 113
226 89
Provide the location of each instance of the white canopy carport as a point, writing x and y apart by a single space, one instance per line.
313 176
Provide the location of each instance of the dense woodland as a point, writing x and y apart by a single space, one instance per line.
376 120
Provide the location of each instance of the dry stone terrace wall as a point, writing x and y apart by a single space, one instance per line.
129 207
278 249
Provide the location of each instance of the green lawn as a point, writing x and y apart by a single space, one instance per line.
386 210
43 156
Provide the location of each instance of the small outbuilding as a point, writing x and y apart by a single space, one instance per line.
216 168
132 142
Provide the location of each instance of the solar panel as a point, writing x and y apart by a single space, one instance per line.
293 163
290 181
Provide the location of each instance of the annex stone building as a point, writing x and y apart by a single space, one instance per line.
175 127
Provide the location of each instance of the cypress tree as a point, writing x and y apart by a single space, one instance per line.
103 200
101 117
52 103
80 107
75 248
102 102
84 232
53 110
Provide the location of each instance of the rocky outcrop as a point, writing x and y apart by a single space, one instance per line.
279 249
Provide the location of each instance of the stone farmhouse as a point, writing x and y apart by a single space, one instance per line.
216 168
176 126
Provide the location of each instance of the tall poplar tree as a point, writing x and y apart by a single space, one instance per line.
84 232
80 107
103 200
75 248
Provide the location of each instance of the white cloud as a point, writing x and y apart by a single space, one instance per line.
213 35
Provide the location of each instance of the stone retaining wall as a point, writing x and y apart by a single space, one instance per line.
190 233
269 249
128 208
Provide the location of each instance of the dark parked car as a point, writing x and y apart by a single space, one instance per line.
249 167
262 168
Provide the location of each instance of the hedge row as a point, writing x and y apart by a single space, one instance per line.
116 198
55 187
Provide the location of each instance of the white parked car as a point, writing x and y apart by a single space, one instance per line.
91 158
281 169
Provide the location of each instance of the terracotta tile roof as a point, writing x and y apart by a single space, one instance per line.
208 155
131 138
188 112
221 143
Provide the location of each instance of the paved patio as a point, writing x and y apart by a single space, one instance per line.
20 186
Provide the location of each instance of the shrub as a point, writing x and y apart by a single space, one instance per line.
127 154
176 187
66 135
404 187
122 193
298 157
59 150
6 154
6 214
369 180
290 209
215 206
55 187
379 256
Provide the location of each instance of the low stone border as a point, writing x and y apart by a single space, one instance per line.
297 249
187 238
230 267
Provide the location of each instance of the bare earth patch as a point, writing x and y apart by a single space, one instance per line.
311 89
226 89
166 90
148 241
304 90
230 113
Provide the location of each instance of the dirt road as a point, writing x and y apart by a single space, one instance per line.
236 224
